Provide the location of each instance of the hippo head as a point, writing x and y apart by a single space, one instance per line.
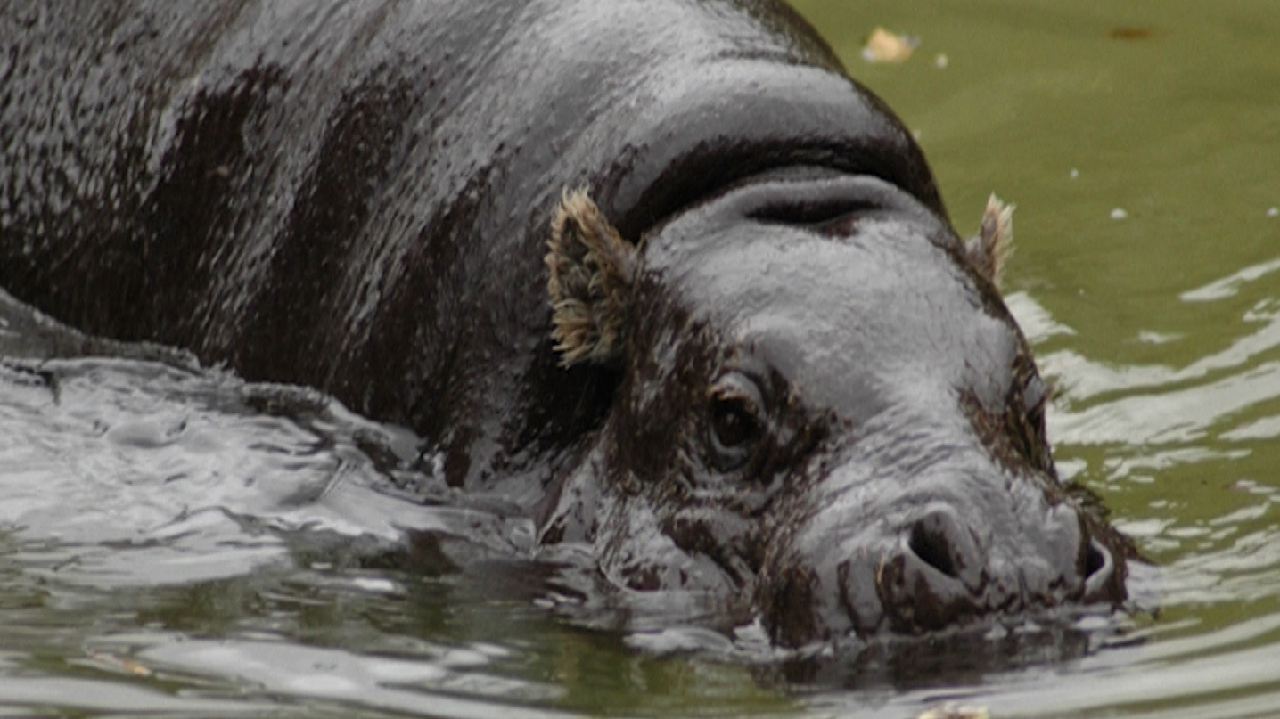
824 412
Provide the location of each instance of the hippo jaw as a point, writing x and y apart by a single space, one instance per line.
825 415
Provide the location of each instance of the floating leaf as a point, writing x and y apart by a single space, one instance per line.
120 663
885 46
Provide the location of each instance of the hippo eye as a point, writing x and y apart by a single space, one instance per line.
736 421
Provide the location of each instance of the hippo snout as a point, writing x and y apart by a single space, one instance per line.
934 574
939 567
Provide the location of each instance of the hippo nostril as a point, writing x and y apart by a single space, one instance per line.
1094 559
929 542
1104 581
937 578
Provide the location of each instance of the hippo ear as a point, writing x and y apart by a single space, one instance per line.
589 286
988 250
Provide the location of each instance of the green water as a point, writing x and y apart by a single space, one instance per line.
136 578
1146 169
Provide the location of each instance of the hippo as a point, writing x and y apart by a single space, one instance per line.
657 270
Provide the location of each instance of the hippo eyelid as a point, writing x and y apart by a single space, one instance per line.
738 386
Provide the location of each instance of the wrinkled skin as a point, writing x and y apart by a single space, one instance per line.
818 406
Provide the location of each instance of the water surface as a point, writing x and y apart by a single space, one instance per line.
176 542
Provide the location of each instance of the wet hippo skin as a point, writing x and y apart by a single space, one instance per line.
756 361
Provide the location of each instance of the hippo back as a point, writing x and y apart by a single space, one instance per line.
356 195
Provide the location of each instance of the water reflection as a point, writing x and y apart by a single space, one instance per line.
259 550
452 682
167 527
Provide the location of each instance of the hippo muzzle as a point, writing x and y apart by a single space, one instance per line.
962 541
824 409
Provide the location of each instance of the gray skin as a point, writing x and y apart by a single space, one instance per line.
810 400
846 422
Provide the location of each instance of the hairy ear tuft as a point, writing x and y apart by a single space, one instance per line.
988 250
589 286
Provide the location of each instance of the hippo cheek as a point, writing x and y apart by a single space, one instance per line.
634 551
803 601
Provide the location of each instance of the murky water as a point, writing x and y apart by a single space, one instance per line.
180 543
